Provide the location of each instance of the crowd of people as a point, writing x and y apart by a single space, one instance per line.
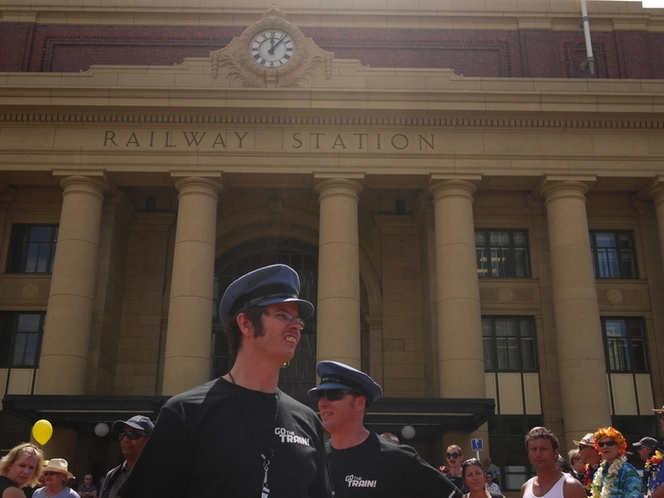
239 435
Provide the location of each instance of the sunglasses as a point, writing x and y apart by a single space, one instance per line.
48 473
602 444
131 435
453 455
335 394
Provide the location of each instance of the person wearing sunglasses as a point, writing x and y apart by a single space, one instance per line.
454 457
56 475
616 477
590 458
543 450
363 464
132 434
240 435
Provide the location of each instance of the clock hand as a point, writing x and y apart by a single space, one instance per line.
275 45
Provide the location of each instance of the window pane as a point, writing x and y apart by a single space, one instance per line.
521 264
500 238
509 344
20 338
482 269
489 360
28 322
613 253
529 355
496 252
32 248
505 327
625 345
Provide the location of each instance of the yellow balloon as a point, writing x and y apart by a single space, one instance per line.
42 431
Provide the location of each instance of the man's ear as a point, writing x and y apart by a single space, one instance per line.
246 325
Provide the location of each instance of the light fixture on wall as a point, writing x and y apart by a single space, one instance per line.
408 431
101 429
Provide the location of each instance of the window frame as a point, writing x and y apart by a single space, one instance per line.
492 365
9 325
628 347
511 248
21 245
597 260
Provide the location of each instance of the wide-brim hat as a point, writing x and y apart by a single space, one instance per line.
658 410
587 440
261 287
58 465
335 375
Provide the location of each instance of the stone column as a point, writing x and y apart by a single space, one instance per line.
576 310
189 333
338 309
459 323
657 195
64 354
459 318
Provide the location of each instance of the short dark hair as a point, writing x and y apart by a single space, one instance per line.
542 433
232 329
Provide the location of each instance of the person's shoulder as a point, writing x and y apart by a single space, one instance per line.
196 394
572 487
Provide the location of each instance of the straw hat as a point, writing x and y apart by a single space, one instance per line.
57 465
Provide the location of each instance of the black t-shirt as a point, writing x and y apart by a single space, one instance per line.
203 446
457 481
378 468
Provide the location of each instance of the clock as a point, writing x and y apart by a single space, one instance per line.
272 48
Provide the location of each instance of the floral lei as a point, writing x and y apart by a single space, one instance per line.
603 489
656 459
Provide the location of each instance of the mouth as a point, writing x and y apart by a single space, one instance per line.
291 338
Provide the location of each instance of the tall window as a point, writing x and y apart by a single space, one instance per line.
296 377
32 248
502 253
509 344
613 254
20 338
625 344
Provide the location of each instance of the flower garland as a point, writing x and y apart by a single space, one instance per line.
602 485
656 459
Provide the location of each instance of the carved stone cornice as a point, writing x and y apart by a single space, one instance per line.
316 120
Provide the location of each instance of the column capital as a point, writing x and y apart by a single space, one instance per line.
338 186
85 184
564 188
654 190
553 186
453 187
199 185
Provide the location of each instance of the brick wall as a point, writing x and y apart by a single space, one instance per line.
524 53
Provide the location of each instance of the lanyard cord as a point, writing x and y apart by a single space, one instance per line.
266 460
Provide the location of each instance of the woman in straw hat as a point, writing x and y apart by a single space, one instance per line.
55 476
18 468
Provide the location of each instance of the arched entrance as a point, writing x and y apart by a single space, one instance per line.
298 375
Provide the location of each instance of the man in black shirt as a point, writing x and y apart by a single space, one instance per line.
362 463
239 436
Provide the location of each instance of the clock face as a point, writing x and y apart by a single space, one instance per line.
272 48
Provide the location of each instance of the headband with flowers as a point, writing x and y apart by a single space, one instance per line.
613 434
